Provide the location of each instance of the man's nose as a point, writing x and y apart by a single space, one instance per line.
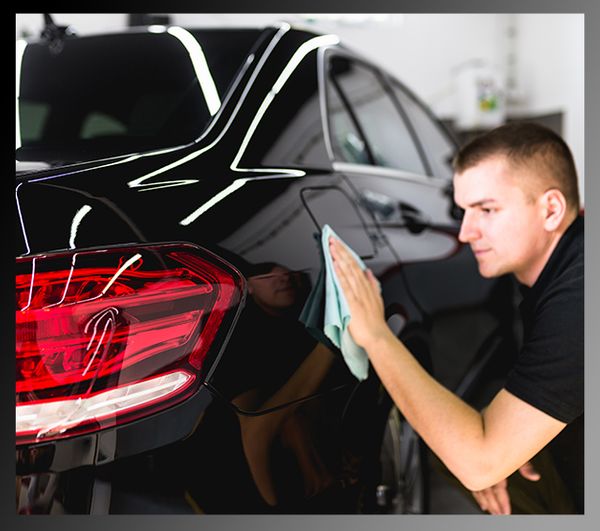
468 229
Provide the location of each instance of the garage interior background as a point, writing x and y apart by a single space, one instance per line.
474 70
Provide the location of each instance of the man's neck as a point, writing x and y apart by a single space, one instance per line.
529 277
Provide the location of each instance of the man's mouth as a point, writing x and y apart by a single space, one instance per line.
284 289
479 252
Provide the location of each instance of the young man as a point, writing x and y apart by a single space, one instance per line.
518 187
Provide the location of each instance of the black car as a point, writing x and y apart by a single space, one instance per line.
172 185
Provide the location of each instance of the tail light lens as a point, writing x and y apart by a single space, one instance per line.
105 337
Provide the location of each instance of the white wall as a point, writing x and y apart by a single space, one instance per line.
84 23
551 69
424 50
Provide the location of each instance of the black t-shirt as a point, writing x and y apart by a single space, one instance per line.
548 373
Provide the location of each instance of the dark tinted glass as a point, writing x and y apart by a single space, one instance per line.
379 120
346 140
438 146
116 94
290 132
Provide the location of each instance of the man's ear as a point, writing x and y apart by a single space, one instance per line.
555 208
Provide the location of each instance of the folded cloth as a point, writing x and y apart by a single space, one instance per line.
337 313
313 312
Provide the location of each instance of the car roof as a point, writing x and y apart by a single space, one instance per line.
294 26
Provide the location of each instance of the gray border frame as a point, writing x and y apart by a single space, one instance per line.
591 519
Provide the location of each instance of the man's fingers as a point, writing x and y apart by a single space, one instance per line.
529 472
373 281
343 269
480 499
341 255
502 498
346 266
492 502
487 501
343 274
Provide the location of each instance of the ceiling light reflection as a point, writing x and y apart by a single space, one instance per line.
207 83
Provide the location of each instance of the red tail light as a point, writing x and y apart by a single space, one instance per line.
105 337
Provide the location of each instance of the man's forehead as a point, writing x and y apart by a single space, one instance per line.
497 164
490 180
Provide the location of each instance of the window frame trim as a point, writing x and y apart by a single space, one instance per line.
391 173
395 83
383 77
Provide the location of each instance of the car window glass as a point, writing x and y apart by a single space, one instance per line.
98 124
290 131
347 142
386 133
32 117
438 147
105 95
332 206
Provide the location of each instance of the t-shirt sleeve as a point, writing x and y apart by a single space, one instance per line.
548 373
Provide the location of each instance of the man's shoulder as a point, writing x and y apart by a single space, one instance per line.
566 284
566 288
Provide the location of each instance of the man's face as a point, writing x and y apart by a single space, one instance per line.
504 226
273 291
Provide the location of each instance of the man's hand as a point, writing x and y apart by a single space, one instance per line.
361 291
478 449
495 499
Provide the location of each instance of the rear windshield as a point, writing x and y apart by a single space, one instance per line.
108 95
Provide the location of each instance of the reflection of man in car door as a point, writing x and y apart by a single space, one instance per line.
297 361
518 188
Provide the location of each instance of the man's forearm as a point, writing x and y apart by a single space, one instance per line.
480 449
450 427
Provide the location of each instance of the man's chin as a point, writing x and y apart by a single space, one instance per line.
487 272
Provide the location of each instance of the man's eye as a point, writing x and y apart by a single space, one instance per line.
487 210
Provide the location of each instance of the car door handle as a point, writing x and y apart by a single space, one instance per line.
383 207
413 218
380 205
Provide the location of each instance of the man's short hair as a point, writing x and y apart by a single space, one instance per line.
531 145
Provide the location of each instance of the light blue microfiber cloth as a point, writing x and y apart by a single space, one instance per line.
337 313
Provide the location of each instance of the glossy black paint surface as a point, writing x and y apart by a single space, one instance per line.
279 423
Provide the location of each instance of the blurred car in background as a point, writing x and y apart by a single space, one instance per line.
171 188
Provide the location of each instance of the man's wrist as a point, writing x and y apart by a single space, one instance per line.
379 340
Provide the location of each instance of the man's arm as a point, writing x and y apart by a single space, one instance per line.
495 499
479 449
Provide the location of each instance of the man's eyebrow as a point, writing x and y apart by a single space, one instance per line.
481 202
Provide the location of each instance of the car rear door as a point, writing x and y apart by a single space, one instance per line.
397 159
